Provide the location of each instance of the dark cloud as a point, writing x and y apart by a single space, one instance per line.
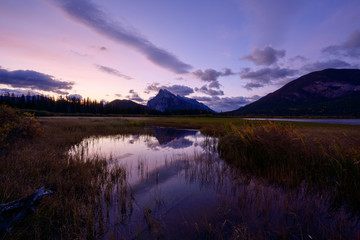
34 80
118 95
180 90
206 99
208 91
267 56
113 72
335 63
154 87
176 89
210 75
92 16
350 48
252 85
214 84
265 76
226 103
102 48
134 96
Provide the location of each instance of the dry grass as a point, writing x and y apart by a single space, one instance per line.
75 210
279 154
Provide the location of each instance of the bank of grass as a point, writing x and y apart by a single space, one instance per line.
325 133
75 209
299 157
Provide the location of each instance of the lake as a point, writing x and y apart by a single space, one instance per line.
177 187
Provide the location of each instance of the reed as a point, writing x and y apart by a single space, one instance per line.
75 210
279 154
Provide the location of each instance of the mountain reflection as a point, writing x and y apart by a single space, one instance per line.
173 138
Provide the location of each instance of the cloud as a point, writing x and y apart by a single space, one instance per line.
265 76
350 48
252 85
267 56
176 89
134 96
102 48
298 58
112 71
226 103
79 53
18 92
154 87
76 96
210 75
180 90
206 99
118 95
34 80
92 16
335 63
214 84
204 89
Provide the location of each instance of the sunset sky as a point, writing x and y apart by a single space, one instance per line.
224 53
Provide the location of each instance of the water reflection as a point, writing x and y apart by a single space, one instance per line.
177 188
140 154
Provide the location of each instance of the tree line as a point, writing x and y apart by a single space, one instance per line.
74 105
52 104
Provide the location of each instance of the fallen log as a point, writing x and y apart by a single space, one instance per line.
12 212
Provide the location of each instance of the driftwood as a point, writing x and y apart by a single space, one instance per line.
13 212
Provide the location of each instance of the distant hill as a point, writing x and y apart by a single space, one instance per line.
330 92
166 101
125 106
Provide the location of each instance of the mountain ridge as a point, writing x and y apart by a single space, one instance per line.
125 106
327 92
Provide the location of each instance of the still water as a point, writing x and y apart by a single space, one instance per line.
178 188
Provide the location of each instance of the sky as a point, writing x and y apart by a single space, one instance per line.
224 53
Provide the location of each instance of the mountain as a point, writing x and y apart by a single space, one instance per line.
330 92
124 106
166 101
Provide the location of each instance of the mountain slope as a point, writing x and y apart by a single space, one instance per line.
125 106
330 92
166 101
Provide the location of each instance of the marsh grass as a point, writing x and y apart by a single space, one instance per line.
75 210
279 154
252 207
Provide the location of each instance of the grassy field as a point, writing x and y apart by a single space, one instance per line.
324 156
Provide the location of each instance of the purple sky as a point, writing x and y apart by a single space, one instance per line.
222 53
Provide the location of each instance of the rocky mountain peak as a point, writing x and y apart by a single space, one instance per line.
167 101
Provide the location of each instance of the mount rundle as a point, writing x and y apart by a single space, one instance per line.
166 101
